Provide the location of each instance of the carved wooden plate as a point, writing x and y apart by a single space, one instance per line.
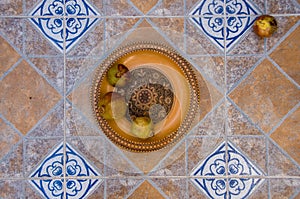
162 86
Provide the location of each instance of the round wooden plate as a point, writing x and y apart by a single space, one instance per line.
170 82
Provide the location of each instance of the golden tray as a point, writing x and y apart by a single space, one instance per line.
153 62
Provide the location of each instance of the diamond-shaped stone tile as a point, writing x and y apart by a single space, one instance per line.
76 22
288 135
53 168
238 165
25 97
266 95
209 15
8 56
144 7
286 55
146 190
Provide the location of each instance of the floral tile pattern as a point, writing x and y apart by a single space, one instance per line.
227 160
245 140
224 26
76 21
76 166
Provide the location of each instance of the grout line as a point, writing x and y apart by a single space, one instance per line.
267 162
24 29
186 167
158 188
282 38
284 118
11 125
105 167
283 72
65 104
52 110
247 117
135 8
266 6
186 156
133 189
103 57
154 8
267 136
11 68
295 194
117 177
204 75
148 16
284 153
226 127
26 58
246 75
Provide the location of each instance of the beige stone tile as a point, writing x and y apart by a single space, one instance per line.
287 135
35 42
251 44
284 188
92 149
99 192
237 67
172 187
92 43
174 164
36 150
286 55
282 7
144 7
11 188
26 97
199 148
119 188
261 192
213 124
255 148
213 67
146 191
53 68
12 30
8 138
238 124
204 45
11 7
12 164
8 56
51 125
285 23
173 28
119 8
116 28
279 164
169 8
266 95
194 192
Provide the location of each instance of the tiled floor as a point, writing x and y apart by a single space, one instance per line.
246 143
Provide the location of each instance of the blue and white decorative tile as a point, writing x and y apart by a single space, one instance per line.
77 21
52 172
238 165
209 17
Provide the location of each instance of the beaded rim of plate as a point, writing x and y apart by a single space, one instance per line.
173 137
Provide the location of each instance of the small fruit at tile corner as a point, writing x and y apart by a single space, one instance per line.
142 127
265 26
118 75
112 106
